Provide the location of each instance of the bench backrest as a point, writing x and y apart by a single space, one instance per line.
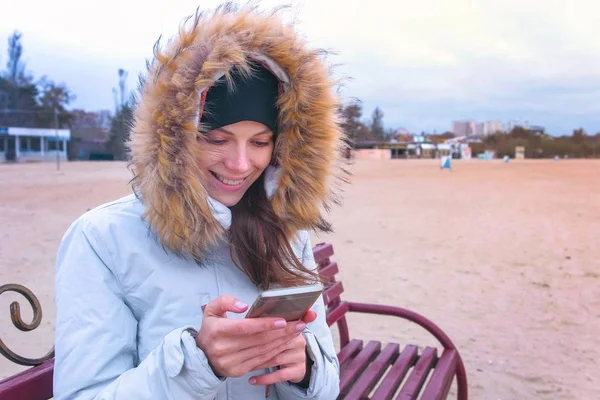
336 308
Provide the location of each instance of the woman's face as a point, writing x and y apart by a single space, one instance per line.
233 158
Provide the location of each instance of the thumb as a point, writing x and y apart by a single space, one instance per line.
309 317
223 304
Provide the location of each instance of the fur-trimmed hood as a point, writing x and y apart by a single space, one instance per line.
163 140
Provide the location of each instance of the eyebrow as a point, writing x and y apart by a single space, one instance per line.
231 133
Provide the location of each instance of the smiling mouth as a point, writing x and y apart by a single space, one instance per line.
226 181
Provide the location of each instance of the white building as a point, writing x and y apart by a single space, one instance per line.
33 144
492 127
480 129
475 128
464 128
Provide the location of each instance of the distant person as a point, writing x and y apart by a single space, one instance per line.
234 141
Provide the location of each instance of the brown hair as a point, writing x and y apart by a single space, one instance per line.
260 246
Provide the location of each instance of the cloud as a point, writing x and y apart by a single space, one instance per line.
425 63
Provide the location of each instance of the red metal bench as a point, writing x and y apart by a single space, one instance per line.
377 372
368 372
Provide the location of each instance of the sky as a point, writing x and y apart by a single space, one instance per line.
424 63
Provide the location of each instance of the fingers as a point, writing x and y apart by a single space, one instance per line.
266 351
223 304
283 359
265 338
262 341
294 352
293 373
259 355
309 317
224 356
264 329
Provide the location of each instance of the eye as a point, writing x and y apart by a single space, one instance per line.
261 143
216 142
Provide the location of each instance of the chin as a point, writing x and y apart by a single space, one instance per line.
227 201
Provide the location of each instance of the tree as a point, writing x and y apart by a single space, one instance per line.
377 129
351 124
30 104
13 96
119 132
54 98
440 138
17 92
15 67
121 123
520 133
119 94
579 136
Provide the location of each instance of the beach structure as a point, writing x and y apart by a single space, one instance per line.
446 162
33 144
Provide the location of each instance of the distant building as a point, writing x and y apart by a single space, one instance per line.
18 144
480 129
402 135
464 128
91 135
402 131
492 127
91 125
474 128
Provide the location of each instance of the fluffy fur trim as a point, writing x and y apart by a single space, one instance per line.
163 141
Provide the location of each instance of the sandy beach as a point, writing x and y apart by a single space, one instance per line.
503 257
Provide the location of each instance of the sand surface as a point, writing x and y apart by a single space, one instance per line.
504 257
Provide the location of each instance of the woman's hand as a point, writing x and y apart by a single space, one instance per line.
292 361
235 347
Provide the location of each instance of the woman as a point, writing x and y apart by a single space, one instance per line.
233 144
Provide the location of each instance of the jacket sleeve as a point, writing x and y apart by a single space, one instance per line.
325 374
96 335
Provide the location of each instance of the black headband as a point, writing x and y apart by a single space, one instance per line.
252 99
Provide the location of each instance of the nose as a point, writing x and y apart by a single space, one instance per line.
237 160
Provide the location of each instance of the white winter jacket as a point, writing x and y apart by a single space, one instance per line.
124 304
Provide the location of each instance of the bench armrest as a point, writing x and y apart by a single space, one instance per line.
425 323
428 325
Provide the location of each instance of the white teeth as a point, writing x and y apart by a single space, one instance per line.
227 181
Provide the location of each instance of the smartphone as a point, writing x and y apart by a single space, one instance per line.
290 303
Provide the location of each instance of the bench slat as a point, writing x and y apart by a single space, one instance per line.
31 384
438 386
396 374
418 376
330 270
333 292
371 376
349 351
358 365
337 313
322 251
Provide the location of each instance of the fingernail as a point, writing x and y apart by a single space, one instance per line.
240 304
300 326
280 323
252 381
